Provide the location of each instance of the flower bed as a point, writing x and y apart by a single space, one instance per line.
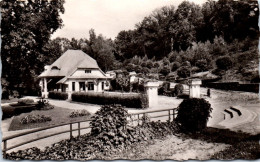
35 119
58 95
134 100
77 113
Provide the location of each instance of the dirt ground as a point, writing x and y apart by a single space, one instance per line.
175 148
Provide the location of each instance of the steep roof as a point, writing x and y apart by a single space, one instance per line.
68 63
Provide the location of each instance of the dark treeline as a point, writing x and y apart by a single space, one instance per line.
221 37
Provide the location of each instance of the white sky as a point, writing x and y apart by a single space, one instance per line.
107 17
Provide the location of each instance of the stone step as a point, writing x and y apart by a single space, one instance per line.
240 116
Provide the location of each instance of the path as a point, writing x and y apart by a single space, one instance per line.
163 102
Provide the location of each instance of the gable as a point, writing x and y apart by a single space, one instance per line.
68 63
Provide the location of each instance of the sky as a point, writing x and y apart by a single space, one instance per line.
107 17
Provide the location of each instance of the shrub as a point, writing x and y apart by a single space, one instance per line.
58 95
77 113
175 65
165 70
193 114
109 125
178 89
35 119
124 99
25 101
202 65
43 104
183 72
224 63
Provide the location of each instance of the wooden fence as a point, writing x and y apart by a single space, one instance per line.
171 114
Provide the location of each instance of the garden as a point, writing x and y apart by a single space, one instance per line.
111 133
27 114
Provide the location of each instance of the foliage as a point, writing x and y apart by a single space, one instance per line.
193 114
202 65
165 70
26 27
77 113
224 63
25 101
133 100
43 104
138 86
58 95
35 119
109 135
109 125
183 72
178 89
175 66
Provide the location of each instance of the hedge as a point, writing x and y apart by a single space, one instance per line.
134 100
58 95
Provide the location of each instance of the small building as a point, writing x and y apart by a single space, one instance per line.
74 71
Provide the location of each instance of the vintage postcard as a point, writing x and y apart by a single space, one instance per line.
130 80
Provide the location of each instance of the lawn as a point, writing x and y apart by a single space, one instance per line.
58 116
9 101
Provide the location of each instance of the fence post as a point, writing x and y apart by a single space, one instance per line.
173 114
169 112
138 118
70 130
5 147
79 128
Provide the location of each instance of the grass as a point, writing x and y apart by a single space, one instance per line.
58 116
10 100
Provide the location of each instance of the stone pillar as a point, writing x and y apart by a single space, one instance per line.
45 88
194 88
152 92
77 87
69 90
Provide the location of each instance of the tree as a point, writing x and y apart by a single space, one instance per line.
26 28
224 63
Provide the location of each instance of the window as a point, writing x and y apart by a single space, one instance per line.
87 71
90 86
82 86
73 86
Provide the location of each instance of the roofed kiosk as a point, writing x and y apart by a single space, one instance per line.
73 71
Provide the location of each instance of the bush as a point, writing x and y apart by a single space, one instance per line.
178 89
77 113
202 65
58 95
224 63
183 72
193 114
25 101
35 119
109 125
125 99
175 65
165 70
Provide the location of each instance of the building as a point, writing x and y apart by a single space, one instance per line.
74 71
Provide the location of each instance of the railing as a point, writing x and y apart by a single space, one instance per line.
171 115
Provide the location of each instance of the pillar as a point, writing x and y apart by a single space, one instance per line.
152 93
69 90
45 88
194 86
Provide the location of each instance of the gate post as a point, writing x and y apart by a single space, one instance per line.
152 92
195 88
